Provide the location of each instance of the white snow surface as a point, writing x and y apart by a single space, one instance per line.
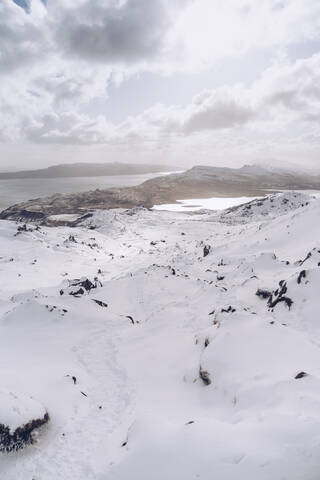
138 408
17 410
67 217
289 199
196 204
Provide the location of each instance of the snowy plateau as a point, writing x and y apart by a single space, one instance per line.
153 345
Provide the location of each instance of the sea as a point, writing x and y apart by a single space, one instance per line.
20 190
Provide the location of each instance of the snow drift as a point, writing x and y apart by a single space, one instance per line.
170 366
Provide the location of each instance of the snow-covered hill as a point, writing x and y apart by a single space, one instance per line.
164 346
268 206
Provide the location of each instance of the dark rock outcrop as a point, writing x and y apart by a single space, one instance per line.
78 287
263 293
22 436
279 296
300 375
205 376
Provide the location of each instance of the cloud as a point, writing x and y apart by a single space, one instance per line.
292 90
114 32
57 56
67 129
278 115
19 38
235 27
214 110
125 33
210 110
286 98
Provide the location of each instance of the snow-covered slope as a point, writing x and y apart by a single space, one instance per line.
269 206
166 346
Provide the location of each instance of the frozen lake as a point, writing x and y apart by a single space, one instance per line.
195 204
215 203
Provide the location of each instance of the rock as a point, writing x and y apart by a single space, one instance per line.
205 376
301 275
20 417
100 303
78 287
74 379
206 250
230 309
21 229
301 262
263 293
280 296
72 239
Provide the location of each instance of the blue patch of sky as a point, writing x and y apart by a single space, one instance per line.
303 49
26 4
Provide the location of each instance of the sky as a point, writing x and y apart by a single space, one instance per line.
179 82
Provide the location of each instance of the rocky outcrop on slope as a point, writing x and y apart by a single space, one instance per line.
20 417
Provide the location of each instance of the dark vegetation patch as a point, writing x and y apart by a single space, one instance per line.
22 436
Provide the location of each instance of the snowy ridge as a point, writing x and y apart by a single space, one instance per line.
181 358
271 205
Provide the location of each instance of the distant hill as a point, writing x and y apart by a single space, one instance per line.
88 170
198 182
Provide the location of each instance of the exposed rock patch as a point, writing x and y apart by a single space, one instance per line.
78 287
20 417
205 376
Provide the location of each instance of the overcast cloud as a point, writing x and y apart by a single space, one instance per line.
60 58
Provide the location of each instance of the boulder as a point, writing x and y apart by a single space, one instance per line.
20 417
